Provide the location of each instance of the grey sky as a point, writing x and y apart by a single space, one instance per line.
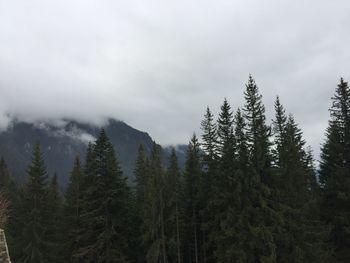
157 64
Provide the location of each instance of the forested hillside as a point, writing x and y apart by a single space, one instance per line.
63 140
250 192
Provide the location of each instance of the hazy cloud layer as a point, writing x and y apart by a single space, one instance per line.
157 64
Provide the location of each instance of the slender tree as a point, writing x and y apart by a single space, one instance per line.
173 222
192 177
73 209
260 214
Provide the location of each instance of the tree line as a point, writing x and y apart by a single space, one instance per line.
249 192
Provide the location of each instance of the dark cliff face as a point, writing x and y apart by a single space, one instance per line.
61 143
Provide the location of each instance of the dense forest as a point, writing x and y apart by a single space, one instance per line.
250 192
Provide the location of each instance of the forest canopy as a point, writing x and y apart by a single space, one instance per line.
250 191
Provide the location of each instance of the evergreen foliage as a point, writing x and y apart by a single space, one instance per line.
248 193
104 209
335 174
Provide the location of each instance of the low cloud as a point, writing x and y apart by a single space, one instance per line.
157 64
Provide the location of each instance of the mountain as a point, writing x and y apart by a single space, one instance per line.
61 142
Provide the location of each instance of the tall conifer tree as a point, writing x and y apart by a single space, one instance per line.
260 213
33 244
334 174
192 178
73 209
105 207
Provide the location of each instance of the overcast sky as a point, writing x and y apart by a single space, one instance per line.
157 64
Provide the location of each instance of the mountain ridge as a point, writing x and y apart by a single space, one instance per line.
63 140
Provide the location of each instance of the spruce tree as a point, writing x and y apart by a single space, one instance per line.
33 244
54 221
155 236
209 146
259 212
141 173
191 203
226 227
141 179
72 210
173 223
105 207
258 133
334 174
209 139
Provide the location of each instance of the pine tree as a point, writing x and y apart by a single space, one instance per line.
54 221
258 132
209 145
155 237
225 129
301 235
259 212
209 139
142 182
225 204
104 212
173 223
33 243
279 126
334 174
141 179
191 203
73 209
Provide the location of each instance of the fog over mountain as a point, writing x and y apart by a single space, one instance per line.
62 142
157 64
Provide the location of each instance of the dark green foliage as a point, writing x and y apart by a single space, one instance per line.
209 137
142 181
301 234
257 131
259 213
32 245
173 216
105 209
191 203
154 236
72 211
54 221
245 195
335 174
